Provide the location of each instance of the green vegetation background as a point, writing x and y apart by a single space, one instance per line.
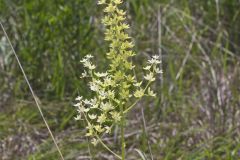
195 116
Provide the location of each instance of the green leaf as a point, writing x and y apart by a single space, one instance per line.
141 154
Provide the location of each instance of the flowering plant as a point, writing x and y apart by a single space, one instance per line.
116 91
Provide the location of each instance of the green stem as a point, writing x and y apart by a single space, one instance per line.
129 108
122 131
105 146
100 140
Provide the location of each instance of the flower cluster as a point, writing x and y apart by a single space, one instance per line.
117 87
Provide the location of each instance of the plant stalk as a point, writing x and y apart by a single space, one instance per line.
122 131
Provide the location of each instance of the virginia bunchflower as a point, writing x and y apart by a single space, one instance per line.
116 88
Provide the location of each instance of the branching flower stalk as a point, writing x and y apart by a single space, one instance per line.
116 91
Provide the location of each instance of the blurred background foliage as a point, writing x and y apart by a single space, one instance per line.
196 113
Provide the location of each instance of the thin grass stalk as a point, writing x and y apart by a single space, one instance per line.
32 92
145 132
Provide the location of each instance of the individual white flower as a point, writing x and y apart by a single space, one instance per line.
111 94
89 56
157 70
89 65
92 116
94 106
101 1
139 93
151 93
99 128
124 25
147 68
132 67
97 81
84 60
130 79
94 86
108 81
149 77
138 84
78 117
93 101
106 106
102 118
154 60
86 102
84 74
79 98
90 131
94 141
155 57
110 8
86 110
116 116
117 1
80 109
98 74
102 95
108 129
77 105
